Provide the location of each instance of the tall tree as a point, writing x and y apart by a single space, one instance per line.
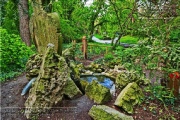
24 21
124 11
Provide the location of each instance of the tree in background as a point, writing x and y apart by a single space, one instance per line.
15 18
24 21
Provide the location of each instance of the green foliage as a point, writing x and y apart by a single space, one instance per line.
175 36
14 54
10 18
108 57
133 58
69 29
165 58
175 32
160 93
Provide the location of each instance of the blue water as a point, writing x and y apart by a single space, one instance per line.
104 81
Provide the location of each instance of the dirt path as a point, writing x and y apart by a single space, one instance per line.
12 104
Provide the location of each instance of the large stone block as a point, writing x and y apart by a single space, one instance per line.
129 96
98 93
102 112
71 90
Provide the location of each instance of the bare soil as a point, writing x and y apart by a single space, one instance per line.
12 105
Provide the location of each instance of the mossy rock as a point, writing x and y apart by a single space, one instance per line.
71 90
98 93
102 112
47 90
129 97
126 77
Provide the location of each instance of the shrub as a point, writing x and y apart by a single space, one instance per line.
14 54
108 57
161 93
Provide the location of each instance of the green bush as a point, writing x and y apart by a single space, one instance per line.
14 54
108 57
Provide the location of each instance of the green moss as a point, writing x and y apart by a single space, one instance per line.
129 96
47 90
71 90
83 84
41 85
102 112
97 92
126 77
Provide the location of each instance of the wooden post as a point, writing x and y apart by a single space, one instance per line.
84 47
106 50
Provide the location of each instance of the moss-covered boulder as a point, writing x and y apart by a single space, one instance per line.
129 97
102 112
47 90
98 93
126 77
71 90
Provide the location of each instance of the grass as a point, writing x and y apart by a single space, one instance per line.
98 36
129 39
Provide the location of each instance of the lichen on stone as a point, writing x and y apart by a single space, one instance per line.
126 77
98 93
83 83
129 96
47 90
45 28
33 66
102 112
71 90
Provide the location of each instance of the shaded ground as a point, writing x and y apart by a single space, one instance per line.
12 105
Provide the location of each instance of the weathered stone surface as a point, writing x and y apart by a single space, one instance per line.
71 90
45 28
102 112
96 68
69 54
33 66
75 73
129 96
97 92
126 77
83 83
47 90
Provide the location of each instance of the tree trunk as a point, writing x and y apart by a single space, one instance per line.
24 21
